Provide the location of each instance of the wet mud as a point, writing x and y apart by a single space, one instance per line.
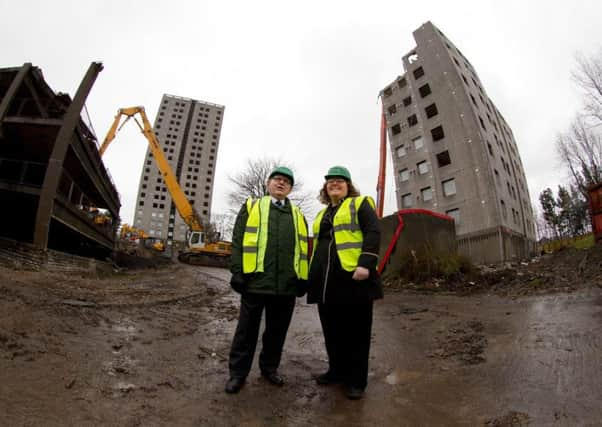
150 348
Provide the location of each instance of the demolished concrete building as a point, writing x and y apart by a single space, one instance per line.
55 192
454 153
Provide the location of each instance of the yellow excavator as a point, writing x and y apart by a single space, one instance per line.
129 233
199 251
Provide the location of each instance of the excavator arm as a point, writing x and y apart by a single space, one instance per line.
198 251
180 200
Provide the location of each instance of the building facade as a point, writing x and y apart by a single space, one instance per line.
454 153
189 132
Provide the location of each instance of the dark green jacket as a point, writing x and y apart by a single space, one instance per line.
279 277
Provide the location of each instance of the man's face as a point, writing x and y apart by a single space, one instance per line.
279 186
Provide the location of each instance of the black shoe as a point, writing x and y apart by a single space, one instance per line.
354 393
328 378
273 377
234 385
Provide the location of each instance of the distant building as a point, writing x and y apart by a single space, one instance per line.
454 153
189 132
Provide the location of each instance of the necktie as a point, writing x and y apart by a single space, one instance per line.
279 203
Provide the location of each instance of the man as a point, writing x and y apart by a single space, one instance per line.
269 268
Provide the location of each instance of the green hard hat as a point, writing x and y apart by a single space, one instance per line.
284 171
338 171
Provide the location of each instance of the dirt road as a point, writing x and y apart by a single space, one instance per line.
150 348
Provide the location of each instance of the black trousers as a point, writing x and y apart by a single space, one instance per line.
278 314
347 332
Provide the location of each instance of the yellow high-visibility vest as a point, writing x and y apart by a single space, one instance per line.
255 238
348 236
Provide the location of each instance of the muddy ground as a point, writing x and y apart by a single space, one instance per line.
149 347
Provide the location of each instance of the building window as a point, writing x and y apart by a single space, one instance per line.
423 167
396 129
424 90
404 175
437 133
443 159
418 72
412 120
402 83
401 151
474 101
455 214
490 149
418 142
426 194
503 207
388 92
482 123
431 111
392 109
407 101
449 187
406 200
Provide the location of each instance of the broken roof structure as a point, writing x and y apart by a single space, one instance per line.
54 189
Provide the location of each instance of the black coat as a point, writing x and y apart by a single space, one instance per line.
328 282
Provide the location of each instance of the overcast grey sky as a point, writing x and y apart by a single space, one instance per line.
300 80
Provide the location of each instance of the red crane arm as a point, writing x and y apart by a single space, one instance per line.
382 166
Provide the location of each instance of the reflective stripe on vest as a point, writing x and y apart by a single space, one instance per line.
255 238
301 263
348 236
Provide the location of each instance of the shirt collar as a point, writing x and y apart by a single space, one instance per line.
274 200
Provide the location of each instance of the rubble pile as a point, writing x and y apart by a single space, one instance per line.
563 271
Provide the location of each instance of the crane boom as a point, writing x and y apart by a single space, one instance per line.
185 209
199 250
382 166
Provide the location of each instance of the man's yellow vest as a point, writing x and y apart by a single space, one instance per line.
348 236
255 238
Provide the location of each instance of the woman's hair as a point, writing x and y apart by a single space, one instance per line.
351 192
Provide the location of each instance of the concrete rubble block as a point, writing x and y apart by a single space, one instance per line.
424 233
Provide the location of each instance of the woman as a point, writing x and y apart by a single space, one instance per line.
343 280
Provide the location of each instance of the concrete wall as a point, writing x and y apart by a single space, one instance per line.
495 246
23 256
423 231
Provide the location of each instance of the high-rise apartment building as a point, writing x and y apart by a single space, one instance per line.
189 132
454 153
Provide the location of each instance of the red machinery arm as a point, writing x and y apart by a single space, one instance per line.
382 166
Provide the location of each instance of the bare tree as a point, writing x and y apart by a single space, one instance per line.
588 77
221 225
252 181
580 148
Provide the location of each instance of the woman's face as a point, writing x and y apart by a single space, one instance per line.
336 188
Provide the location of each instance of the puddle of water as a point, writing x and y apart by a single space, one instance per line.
397 376
126 329
124 387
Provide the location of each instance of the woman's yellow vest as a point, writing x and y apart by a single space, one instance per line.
255 238
348 236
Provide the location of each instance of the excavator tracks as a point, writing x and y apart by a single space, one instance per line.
207 260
